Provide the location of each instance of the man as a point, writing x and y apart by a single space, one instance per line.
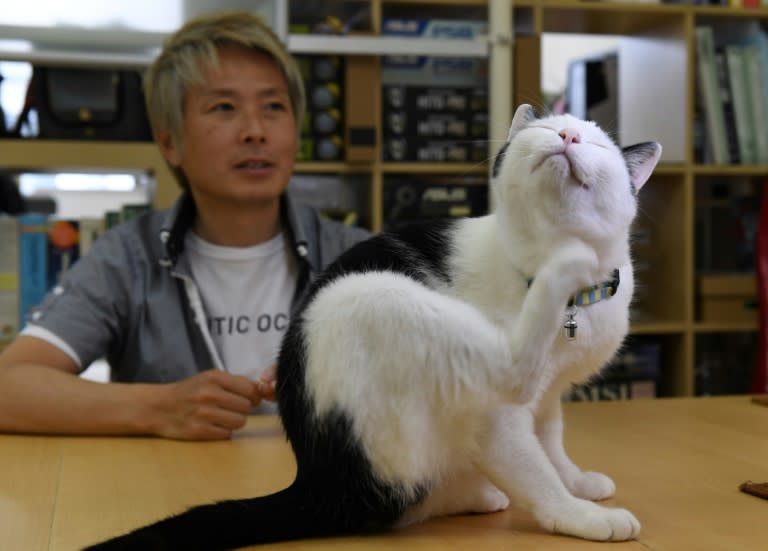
187 305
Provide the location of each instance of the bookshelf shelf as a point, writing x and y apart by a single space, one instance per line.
730 170
432 168
84 155
478 3
658 328
308 167
376 45
670 169
721 12
733 327
607 18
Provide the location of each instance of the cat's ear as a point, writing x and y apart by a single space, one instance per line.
641 159
524 115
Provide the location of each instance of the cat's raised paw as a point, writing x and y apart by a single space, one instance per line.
592 485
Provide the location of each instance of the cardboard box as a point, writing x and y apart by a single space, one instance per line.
727 298
436 125
407 199
435 99
428 150
433 71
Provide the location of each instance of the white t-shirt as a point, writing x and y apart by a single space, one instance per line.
246 292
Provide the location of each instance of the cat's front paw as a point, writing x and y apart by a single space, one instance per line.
587 520
592 485
573 266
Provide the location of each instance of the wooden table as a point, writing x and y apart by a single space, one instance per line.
677 464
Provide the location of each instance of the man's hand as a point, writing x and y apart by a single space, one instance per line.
206 406
41 393
267 384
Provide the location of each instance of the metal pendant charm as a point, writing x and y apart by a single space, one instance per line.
570 325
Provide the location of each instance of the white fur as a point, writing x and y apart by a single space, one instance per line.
461 386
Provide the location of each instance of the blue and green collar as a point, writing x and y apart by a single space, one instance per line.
595 293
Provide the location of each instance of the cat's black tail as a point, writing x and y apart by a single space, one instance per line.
286 515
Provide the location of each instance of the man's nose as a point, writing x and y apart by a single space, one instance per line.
253 128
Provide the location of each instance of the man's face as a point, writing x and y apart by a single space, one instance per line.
239 132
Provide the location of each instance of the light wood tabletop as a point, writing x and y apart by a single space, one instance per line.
677 464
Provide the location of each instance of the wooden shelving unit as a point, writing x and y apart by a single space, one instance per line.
668 201
73 155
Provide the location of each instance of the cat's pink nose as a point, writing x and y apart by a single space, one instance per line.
570 135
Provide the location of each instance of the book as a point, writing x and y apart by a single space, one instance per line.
742 110
33 262
710 95
90 230
63 248
726 99
632 374
611 390
758 99
131 211
111 218
9 278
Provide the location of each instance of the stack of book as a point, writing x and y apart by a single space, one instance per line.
434 108
35 251
733 90
633 374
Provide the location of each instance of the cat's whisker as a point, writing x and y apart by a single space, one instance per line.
646 214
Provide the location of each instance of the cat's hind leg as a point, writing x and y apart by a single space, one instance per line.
517 463
408 337
549 429
467 492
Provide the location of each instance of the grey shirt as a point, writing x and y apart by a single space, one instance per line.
132 299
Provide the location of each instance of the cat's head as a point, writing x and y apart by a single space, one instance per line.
562 174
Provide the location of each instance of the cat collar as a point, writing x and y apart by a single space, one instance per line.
595 293
585 297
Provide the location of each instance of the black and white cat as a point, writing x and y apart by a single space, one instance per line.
424 375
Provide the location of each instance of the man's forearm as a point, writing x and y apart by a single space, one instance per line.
40 399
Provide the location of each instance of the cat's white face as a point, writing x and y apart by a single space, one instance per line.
563 174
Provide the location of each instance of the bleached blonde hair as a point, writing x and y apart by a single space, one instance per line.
195 46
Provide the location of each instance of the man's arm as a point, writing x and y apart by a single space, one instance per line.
40 392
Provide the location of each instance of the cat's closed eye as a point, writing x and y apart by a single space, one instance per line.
603 146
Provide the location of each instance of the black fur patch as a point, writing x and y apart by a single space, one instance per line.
419 250
330 459
336 490
498 160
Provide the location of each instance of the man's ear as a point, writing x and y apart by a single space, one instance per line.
168 147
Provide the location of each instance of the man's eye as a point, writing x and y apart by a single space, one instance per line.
223 106
276 106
